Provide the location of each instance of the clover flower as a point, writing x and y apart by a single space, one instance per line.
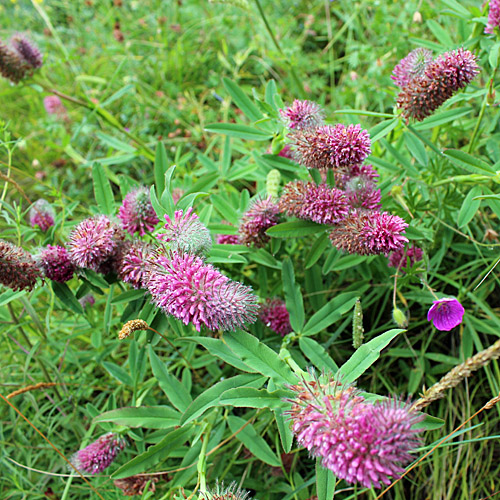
302 115
274 314
55 263
228 239
27 50
412 66
403 258
100 454
18 270
362 192
358 441
114 263
446 314
136 213
262 215
41 214
12 66
493 17
442 77
369 233
87 300
232 492
184 286
134 265
54 106
135 485
185 233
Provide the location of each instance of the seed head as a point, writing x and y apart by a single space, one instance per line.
303 115
55 263
18 270
136 212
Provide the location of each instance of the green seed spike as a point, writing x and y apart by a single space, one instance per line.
273 183
357 326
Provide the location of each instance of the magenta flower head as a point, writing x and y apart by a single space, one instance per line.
137 213
446 314
232 492
99 455
358 441
184 286
493 17
185 233
228 239
274 314
27 50
54 106
369 233
362 192
18 270
134 266
93 242
262 215
442 77
42 214
403 258
12 65
303 115
55 263
412 66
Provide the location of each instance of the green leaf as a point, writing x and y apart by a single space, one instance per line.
239 131
469 207
382 129
228 212
469 162
154 454
325 482
66 296
102 190
293 297
115 143
161 166
416 149
128 296
176 393
317 250
10 295
252 441
442 118
249 397
147 417
118 372
442 35
317 354
283 423
157 206
365 356
295 229
259 356
241 100
345 262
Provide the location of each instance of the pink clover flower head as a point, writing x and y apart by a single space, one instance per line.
92 242
358 441
446 314
114 263
362 192
136 213
403 258
286 152
55 263
185 233
368 232
87 300
262 215
18 270
134 268
228 239
99 455
444 76
184 286
412 66
12 65
54 106
232 492
303 115
274 314
493 17
27 50
42 214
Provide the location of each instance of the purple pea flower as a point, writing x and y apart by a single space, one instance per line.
446 314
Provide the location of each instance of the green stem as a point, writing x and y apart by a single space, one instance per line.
202 459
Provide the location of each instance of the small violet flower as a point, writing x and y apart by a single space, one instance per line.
446 314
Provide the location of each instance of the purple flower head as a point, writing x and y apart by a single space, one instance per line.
54 106
134 268
286 152
303 115
444 76
493 17
369 233
186 233
262 215
446 314
42 214
12 65
27 50
99 455
55 263
87 300
228 239
274 314
93 242
18 270
359 442
232 492
403 258
136 212
362 192
195 292
412 66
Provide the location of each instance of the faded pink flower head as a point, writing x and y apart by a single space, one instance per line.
446 314
42 214
54 106
303 115
195 292
262 215
28 51
493 17
403 258
12 65
228 239
362 192
87 300
358 441
412 66
18 270
99 455
136 213
274 314
134 268
55 263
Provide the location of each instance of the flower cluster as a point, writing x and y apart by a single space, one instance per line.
274 314
302 115
54 106
18 270
55 263
358 441
136 212
134 265
41 214
262 215
19 58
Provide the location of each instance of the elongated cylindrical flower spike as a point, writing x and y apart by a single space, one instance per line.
357 326
358 441
134 325
93 241
42 214
185 233
412 66
55 263
28 51
12 66
134 265
274 314
362 192
262 215
99 455
18 270
303 115
195 292
369 233
136 213
493 17
232 492
402 258
443 77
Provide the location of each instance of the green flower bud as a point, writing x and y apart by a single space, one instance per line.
399 317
